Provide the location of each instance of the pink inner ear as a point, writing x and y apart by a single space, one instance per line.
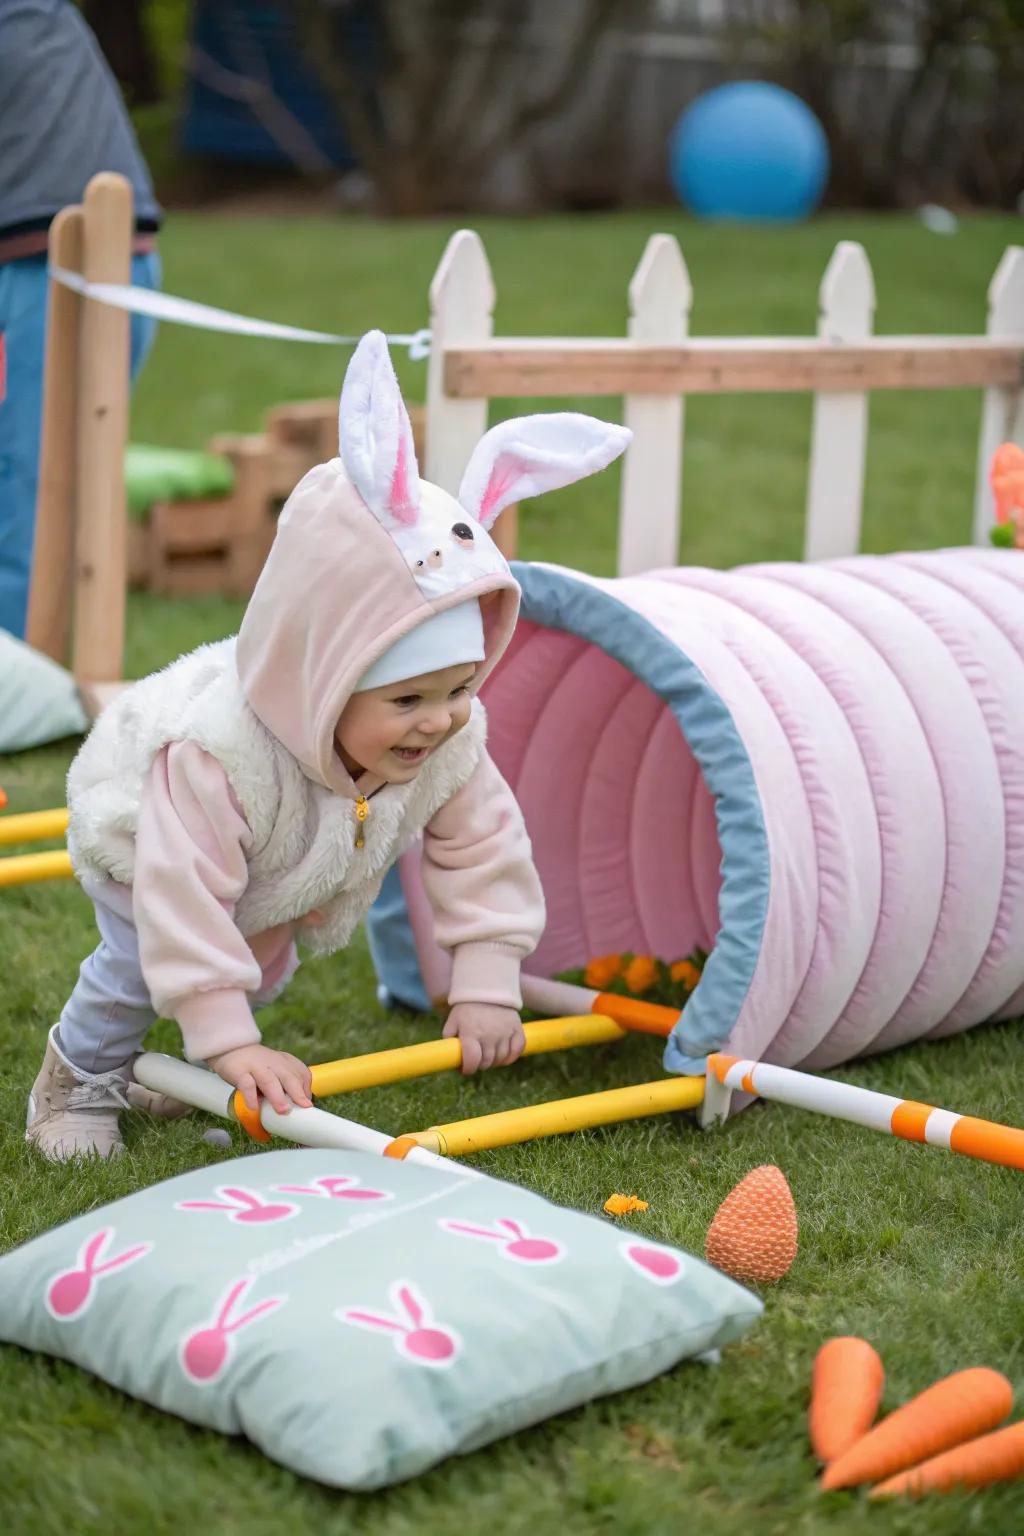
505 473
401 504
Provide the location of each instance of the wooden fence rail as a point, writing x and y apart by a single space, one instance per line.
658 364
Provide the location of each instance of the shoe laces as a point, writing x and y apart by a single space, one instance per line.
106 1091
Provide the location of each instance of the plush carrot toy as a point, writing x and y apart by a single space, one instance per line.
846 1388
1006 477
995 1458
953 1410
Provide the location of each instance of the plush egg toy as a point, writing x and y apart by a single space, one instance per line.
753 1237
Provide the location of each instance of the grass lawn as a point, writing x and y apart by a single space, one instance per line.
913 1248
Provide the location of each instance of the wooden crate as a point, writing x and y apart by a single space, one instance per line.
219 544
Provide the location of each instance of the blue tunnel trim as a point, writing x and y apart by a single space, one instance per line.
557 599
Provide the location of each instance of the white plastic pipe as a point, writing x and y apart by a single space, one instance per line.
192 1085
308 1127
556 997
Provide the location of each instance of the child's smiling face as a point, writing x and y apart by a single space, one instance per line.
391 731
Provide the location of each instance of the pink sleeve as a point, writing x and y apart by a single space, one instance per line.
479 875
190 869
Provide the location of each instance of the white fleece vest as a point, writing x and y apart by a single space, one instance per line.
303 855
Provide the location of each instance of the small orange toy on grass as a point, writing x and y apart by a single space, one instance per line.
846 1389
753 1236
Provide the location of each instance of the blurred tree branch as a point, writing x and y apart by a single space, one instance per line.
446 92
948 121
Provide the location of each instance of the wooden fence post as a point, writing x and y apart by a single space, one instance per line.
461 312
49 601
660 296
101 542
1002 410
839 430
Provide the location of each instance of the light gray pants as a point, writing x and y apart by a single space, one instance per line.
107 1016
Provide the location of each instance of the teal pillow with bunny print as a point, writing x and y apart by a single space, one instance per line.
360 1319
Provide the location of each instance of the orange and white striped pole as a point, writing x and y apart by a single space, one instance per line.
559 998
984 1139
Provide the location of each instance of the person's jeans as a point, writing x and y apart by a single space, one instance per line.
23 286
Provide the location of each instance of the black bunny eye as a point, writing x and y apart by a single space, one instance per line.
462 531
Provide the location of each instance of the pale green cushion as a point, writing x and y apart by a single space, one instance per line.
359 1318
173 474
39 701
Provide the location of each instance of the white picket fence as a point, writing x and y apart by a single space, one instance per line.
656 365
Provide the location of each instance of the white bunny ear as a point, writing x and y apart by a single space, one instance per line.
533 454
375 436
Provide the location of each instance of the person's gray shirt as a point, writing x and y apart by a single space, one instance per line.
62 118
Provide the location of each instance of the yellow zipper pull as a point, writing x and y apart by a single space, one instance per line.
362 816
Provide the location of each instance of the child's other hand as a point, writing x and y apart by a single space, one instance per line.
283 1080
491 1036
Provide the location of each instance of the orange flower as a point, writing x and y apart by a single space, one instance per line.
601 971
621 1205
686 972
641 973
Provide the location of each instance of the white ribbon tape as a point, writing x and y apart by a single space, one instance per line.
205 317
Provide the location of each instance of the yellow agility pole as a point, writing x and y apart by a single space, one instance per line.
409 1061
984 1139
511 1126
32 827
27 868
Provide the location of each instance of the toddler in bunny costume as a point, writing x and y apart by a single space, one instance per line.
257 791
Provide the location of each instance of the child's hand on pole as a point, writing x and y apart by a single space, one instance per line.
491 1036
282 1079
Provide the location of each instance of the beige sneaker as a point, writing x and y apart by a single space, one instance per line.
73 1113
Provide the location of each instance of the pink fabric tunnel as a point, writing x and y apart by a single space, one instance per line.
814 772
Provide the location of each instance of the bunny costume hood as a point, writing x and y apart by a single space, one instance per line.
367 554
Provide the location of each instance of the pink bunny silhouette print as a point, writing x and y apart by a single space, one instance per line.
69 1294
416 1335
335 1186
242 1205
659 1265
515 1242
205 1351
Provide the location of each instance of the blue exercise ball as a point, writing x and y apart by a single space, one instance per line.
749 150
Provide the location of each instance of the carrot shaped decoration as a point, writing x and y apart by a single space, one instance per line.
995 1458
955 1409
846 1388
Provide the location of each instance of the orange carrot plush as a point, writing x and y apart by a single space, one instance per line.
953 1410
995 1458
846 1388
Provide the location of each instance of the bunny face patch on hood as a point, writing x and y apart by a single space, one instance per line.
366 551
